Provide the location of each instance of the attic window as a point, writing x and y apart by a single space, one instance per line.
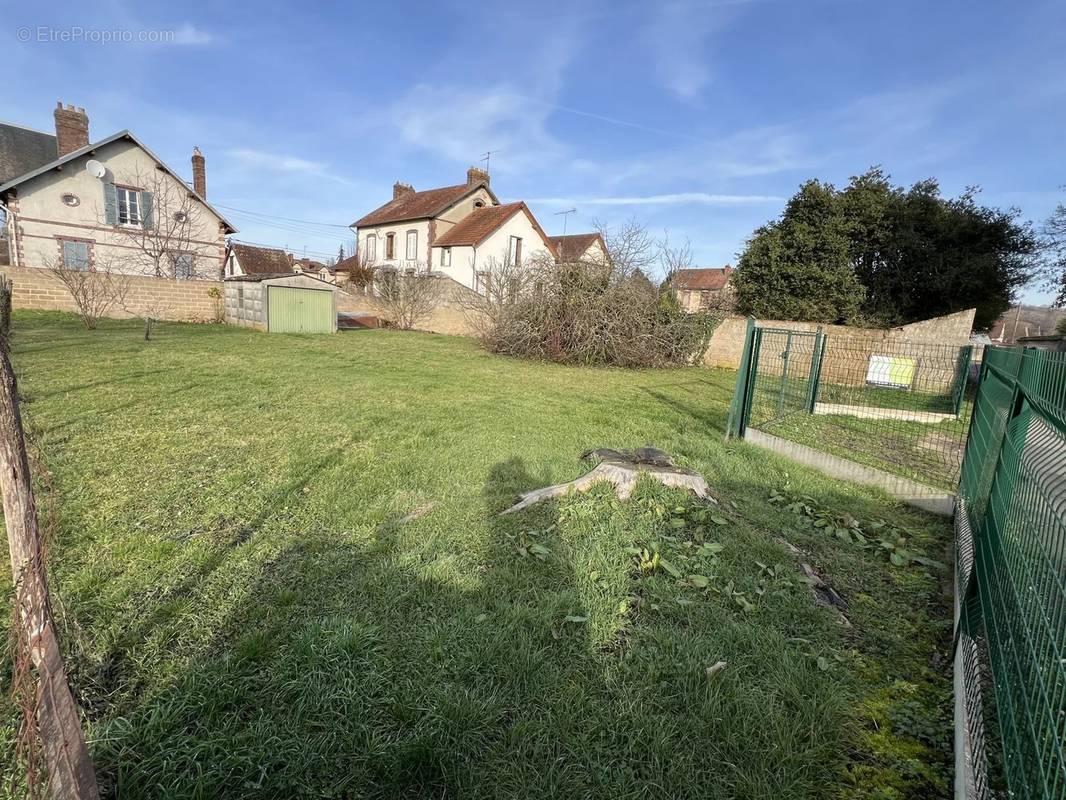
479 204
70 200
180 216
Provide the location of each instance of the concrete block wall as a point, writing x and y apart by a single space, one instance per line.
244 304
179 301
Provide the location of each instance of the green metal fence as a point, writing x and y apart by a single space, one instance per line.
897 407
1011 575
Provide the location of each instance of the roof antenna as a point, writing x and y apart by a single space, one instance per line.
566 215
488 154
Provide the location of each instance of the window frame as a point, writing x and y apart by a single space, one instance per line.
446 257
129 192
86 243
174 257
514 251
407 245
371 242
390 246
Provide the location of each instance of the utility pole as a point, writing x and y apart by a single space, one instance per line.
566 215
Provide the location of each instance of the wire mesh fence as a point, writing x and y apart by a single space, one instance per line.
1013 494
896 406
906 409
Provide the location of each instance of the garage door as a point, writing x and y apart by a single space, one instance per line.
299 310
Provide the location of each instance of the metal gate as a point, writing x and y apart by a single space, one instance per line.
299 310
879 410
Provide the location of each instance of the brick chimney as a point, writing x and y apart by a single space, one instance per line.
72 129
475 175
199 173
400 189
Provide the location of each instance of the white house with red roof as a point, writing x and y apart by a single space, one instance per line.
459 231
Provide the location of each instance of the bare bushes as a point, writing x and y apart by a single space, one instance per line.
592 311
94 291
406 298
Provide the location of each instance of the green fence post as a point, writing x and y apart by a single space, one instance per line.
785 356
816 370
965 357
734 425
749 400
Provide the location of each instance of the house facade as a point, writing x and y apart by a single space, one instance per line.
703 289
459 231
578 247
248 259
486 238
110 204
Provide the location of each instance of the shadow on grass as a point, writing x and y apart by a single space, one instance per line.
415 660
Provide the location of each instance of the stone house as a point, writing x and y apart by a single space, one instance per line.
704 289
108 204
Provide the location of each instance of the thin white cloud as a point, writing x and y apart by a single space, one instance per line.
677 198
189 34
677 35
461 124
259 159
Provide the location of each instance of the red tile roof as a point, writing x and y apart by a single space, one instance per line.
696 279
418 205
261 260
478 225
576 245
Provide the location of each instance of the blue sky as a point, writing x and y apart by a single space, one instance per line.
698 118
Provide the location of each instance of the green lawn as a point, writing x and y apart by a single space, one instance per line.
282 574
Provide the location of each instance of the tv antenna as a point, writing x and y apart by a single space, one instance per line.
488 154
566 215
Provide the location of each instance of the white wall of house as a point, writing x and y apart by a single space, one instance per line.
44 220
466 262
422 228
399 230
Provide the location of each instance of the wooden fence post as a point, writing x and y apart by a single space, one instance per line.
71 775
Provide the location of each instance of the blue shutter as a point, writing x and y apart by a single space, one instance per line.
144 203
110 204
70 255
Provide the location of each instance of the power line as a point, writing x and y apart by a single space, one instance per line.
292 228
286 219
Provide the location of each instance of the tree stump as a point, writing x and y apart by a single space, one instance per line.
622 468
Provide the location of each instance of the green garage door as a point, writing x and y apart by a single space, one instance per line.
299 310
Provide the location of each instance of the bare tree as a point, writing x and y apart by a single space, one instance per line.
95 289
360 275
501 285
159 226
407 297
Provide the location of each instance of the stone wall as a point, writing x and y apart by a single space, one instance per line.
449 316
727 343
933 343
184 301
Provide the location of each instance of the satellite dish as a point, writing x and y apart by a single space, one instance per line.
95 168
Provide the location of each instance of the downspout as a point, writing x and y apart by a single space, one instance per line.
12 239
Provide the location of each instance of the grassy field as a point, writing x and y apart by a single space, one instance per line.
282 574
